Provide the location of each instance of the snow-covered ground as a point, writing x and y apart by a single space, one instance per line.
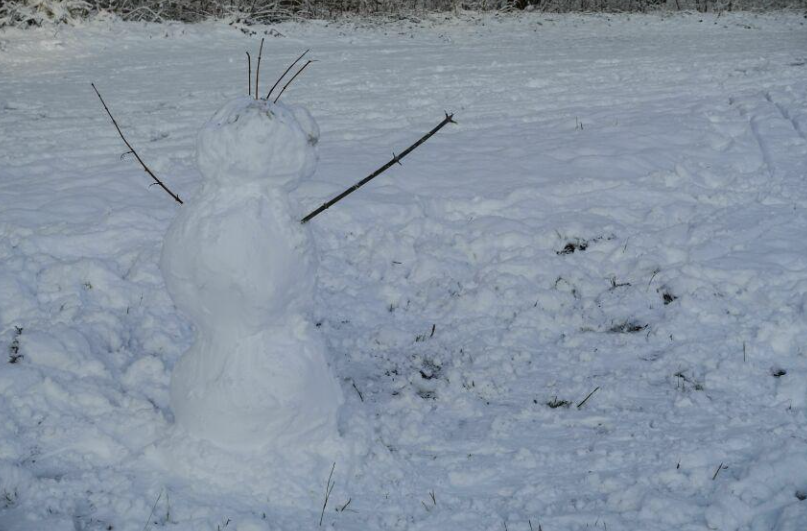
621 210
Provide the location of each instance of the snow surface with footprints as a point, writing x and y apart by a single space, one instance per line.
621 210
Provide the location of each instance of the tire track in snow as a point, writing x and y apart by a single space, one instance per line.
780 141
786 115
757 136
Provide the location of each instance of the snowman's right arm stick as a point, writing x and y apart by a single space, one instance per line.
396 159
128 145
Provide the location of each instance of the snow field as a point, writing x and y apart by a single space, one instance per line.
620 208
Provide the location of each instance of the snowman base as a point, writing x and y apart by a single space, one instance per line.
243 392
243 425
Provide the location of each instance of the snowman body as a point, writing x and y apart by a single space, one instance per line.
238 262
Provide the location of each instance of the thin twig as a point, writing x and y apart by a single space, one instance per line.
300 71
717 471
284 74
146 168
258 70
328 488
395 160
249 73
153 508
589 396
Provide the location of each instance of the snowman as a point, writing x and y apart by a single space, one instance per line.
237 261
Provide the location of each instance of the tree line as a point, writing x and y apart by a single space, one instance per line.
39 12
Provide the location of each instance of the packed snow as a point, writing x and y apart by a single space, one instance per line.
582 307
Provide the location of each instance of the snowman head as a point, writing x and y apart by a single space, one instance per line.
251 140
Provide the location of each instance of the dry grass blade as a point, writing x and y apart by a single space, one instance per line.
587 397
153 508
328 488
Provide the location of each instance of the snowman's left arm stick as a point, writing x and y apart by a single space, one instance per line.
396 159
146 168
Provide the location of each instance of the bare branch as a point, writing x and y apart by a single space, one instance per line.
300 71
396 159
284 74
258 70
249 73
146 168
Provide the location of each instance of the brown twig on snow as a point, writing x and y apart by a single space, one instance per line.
269 95
132 150
300 71
249 73
396 159
258 70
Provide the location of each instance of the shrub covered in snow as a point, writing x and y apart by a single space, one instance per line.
38 12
